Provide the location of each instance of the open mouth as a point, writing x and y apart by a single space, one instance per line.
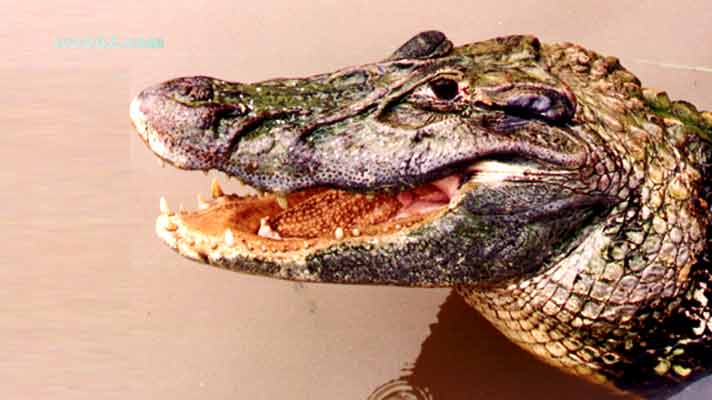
290 226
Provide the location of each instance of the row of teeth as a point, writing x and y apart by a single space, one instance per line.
216 192
162 163
265 230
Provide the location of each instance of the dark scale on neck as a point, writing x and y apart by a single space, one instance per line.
669 344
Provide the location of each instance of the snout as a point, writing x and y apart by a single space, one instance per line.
182 124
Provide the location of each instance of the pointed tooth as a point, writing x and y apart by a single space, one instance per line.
232 178
263 226
181 209
282 201
202 204
339 233
229 238
161 163
266 230
163 206
205 173
215 189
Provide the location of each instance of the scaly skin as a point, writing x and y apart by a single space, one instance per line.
587 243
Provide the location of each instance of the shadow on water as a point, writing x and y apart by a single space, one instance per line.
466 358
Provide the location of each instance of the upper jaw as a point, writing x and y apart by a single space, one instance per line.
280 160
256 132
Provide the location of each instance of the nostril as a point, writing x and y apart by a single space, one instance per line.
190 89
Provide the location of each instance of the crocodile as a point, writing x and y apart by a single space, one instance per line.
565 202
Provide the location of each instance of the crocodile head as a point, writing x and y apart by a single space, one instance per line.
561 198
435 167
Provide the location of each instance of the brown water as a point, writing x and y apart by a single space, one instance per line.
93 306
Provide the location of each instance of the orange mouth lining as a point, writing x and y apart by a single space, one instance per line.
314 214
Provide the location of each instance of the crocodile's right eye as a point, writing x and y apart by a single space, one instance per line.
444 88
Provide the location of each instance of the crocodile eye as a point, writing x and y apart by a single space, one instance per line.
444 88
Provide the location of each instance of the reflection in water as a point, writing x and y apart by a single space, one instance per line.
466 358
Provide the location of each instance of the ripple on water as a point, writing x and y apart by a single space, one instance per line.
400 389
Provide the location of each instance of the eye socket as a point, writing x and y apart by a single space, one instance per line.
444 88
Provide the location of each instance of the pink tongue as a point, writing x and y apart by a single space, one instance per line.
405 198
414 203
448 185
418 207
434 197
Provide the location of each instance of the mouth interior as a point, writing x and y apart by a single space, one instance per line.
319 216
319 213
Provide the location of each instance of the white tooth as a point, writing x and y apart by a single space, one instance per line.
355 232
180 208
161 163
232 177
339 233
205 173
202 204
163 206
282 201
215 189
229 238
266 231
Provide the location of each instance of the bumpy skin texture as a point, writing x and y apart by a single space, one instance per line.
597 260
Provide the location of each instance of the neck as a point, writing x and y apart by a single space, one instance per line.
631 305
